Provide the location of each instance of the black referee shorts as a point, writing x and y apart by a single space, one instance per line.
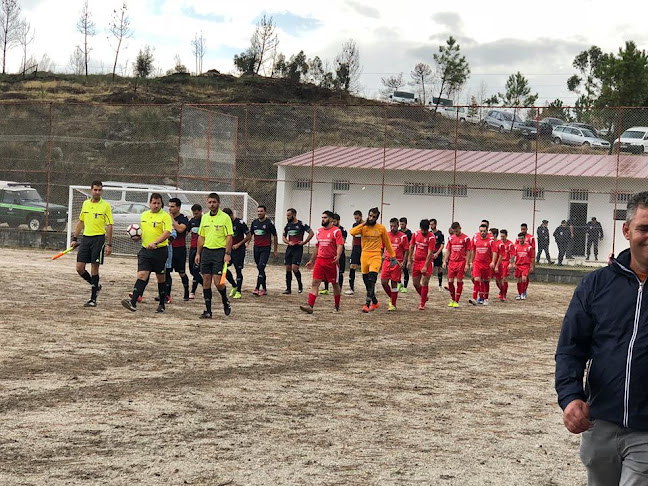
438 261
91 249
212 261
356 253
238 258
293 255
152 260
342 262
179 259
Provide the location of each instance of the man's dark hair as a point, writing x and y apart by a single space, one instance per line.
503 232
229 212
175 201
486 221
483 225
357 212
96 183
336 216
376 211
403 220
638 200
196 207
156 195
213 195
393 220
329 214
524 225
494 231
262 206
291 210
424 224
521 234
455 225
432 220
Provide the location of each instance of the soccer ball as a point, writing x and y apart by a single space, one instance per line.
134 230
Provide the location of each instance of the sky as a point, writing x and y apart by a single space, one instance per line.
539 39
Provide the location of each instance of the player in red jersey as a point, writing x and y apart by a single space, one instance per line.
400 244
421 259
482 251
528 237
457 261
325 258
524 264
504 248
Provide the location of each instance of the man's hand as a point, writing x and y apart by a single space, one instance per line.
336 259
492 265
197 259
236 246
576 417
227 258
393 262
151 246
108 250
74 243
309 264
445 265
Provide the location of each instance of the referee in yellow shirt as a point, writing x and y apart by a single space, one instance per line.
156 227
96 221
214 251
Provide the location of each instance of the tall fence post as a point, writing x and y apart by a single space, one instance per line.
535 176
235 153
49 166
454 167
179 145
208 161
312 173
382 185
616 178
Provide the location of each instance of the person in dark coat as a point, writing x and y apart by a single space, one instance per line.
543 241
562 235
594 232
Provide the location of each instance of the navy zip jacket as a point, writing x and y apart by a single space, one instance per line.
607 324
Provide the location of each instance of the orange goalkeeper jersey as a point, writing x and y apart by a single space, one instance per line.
374 238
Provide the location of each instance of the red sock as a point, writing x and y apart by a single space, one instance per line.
476 289
418 289
499 285
504 289
387 289
336 298
520 286
311 299
485 289
526 285
458 292
424 294
451 287
394 296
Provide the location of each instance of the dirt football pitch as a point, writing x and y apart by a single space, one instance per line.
270 395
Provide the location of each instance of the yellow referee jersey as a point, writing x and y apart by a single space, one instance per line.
95 217
153 225
215 229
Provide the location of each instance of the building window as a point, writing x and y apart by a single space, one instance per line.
621 197
341 185
533 193
620 214
579 195
418 188
303 184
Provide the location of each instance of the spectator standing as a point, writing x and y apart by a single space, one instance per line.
543 241
562 235
594 232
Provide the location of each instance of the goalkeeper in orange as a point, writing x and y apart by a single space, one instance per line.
374 239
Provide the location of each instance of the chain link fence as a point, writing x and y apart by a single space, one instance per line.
507 165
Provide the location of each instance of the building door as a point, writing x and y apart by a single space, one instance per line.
578 217
342 206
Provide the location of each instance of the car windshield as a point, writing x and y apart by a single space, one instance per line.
588 133
632 134
124 209
27 195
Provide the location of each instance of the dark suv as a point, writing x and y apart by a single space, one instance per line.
21 204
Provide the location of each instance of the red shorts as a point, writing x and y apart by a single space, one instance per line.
418 269
389 273
326 271
522 271
481 271
503 270
456 270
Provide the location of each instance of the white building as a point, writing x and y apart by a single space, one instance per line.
498 186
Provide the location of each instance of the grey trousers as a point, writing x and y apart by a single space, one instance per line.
614 456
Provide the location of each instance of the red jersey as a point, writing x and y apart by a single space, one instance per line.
483 249
505 249
327 241
459 246
489 236
422 245
523 254
399 244
530 240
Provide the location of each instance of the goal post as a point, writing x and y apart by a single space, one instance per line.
128 203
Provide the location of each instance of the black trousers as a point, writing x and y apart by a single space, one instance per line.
591 241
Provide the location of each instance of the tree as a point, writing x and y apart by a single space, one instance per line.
586 84
76 61
264 41
348 68
25 37
143 65
179 67
556 109
86 27
421 77
297 67
452 69
623 77
9 27
245 62
199 49
518 93
120 29
473 108
391 84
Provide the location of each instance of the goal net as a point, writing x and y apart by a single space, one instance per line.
129 201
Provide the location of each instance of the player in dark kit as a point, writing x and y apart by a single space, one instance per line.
265 234
438 251
293 237
356 253
179 244
240 231
402 287
194 225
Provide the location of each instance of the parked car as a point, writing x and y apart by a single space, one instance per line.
587 126
462 113
116 192
553 122
22 204
569 135
634 140
125 214
501 121
403 97
529 129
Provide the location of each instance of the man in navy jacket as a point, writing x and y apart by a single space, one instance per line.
606 330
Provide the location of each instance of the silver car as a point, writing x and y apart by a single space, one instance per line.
501 121
569 135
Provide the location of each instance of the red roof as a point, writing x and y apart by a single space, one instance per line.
584 165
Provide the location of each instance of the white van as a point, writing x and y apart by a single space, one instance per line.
634 140
403 97
116 193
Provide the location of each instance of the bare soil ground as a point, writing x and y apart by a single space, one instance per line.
270 395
